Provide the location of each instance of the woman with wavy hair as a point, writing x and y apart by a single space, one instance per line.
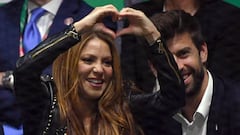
89 91
88 81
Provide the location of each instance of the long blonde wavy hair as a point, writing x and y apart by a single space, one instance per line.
113 113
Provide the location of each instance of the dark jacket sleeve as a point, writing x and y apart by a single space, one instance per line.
147 108
134 58
31 95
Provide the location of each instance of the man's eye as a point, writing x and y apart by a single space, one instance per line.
183 54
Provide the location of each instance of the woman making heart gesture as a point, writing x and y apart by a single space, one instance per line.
90 96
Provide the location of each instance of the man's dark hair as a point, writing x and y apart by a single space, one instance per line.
175 22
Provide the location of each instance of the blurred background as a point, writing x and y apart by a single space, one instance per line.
121 3
118 3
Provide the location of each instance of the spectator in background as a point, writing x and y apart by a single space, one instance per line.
131 2
212 102
219 27
15 17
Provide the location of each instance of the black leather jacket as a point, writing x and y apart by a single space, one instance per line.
37 102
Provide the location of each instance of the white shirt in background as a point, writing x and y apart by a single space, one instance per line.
46 20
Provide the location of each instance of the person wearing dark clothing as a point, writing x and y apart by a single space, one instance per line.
212 102
219 27
11 16
34 100
15 15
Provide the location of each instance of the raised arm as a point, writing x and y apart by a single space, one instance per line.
168 100
45 53
31 94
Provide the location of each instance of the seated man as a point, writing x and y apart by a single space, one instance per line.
212 102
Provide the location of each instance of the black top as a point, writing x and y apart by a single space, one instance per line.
148 109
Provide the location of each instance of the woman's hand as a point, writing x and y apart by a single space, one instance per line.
139 24
94 20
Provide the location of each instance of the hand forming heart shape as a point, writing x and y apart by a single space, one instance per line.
139 24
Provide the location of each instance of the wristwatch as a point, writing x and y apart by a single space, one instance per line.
8 80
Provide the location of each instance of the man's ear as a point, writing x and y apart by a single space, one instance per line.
204 52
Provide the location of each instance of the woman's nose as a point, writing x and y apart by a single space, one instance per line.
98 68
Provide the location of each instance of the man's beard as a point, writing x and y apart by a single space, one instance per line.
197 82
